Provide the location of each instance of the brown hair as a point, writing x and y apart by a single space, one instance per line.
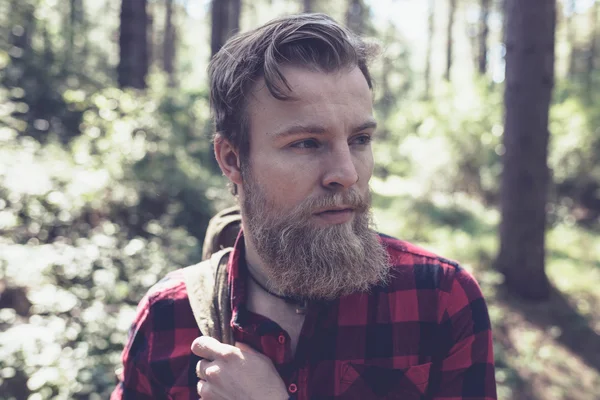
312 40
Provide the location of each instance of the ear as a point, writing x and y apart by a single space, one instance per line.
229 159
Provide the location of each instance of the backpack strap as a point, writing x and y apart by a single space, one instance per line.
222 231
208 292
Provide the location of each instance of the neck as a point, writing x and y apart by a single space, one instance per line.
260 288
260 302
255 265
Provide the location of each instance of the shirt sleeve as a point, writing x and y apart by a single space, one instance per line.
135 380
466 370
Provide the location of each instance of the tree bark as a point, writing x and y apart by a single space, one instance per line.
225 15
133 44
48 50
430 33
307 6
530 42
218 25
355 16
484 31
235 10
450 43
571 38
169 44
70 39
150 34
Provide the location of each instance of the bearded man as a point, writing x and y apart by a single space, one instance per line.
322 306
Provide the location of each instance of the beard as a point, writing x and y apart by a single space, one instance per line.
305 261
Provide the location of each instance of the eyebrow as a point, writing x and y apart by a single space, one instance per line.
319 130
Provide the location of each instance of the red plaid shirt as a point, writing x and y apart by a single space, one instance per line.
425 335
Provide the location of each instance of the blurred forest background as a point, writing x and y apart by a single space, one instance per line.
107 180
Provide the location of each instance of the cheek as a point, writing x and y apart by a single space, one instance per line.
365 165
283 177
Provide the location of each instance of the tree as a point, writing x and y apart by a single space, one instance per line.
530 42
430 33
571 37
150 34
355 16
225 16
450 43
484 31
75 16
133 44
169 44
307 6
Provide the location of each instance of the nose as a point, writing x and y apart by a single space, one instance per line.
340 169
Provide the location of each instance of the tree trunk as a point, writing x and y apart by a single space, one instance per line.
150 35
530 41
133 44
85 27
219 25
225 16
484 31
169 44
355 16
430 33
307 6
571 38
48 50
70 39
450 43
235 10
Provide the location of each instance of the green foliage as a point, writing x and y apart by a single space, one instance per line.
45 56
449 144
87 226
575 147
103 191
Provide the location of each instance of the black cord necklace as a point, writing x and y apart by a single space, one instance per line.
301 304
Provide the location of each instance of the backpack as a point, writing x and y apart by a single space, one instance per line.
222 231
207 282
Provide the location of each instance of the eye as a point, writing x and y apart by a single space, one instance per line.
362 140
306 144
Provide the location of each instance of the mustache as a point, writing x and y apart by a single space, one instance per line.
262 209
350 199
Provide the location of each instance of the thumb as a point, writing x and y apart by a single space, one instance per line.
207 347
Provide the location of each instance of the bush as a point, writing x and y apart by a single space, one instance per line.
85 229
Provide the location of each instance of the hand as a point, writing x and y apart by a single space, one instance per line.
235 372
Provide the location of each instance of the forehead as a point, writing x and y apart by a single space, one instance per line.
338 98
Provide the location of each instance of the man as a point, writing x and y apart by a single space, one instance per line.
322 306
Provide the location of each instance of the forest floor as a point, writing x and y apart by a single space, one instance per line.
551 349
547 350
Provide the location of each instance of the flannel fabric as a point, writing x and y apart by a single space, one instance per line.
424 335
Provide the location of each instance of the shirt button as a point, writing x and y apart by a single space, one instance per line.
293 388
281 339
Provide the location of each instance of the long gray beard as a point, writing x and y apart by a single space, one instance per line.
311 262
